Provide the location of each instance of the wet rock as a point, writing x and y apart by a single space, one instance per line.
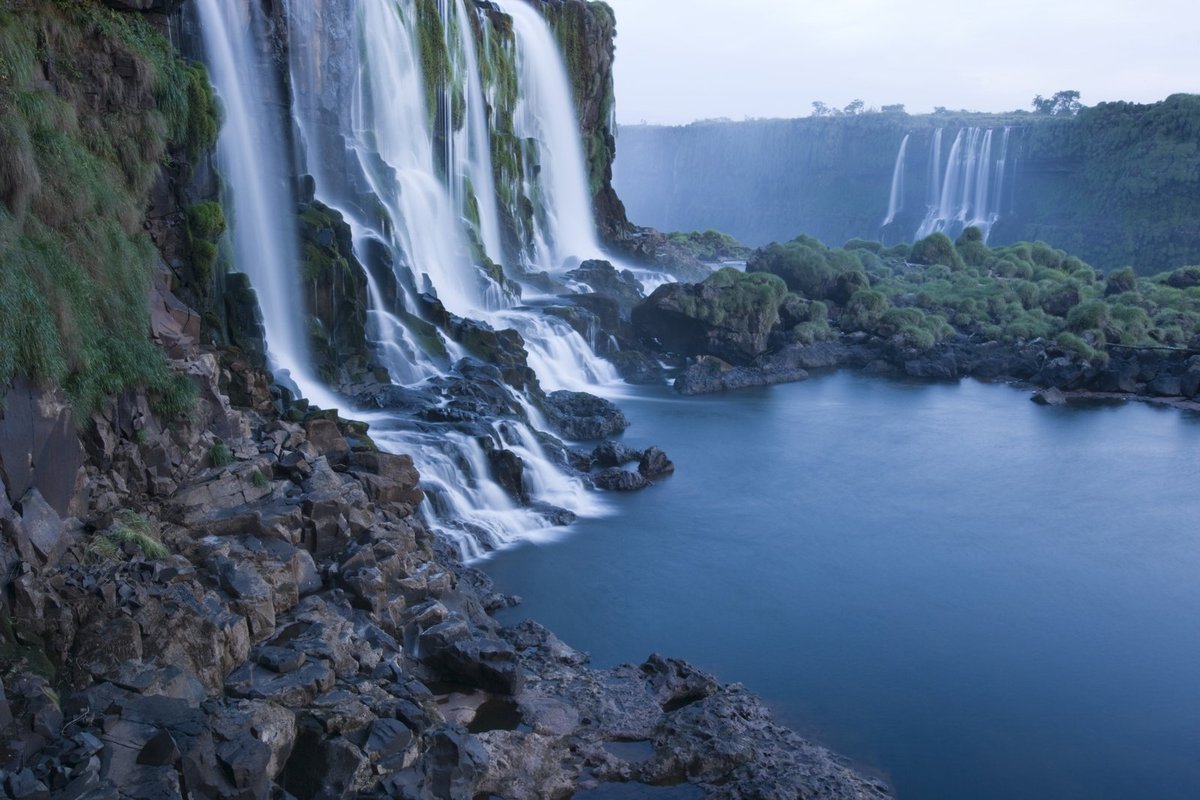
489 664
508 470
582 416
1050 397
616 479
655 464
39 445
604 279
614 454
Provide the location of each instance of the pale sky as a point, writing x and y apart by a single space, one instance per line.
682 60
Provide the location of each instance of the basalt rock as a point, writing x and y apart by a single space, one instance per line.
582 416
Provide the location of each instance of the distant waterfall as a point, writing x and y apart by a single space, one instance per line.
969 191
896 196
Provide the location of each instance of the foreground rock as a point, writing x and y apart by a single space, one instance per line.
261 614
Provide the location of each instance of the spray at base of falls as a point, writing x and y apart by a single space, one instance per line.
410 170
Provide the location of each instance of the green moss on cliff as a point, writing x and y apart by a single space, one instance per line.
91 101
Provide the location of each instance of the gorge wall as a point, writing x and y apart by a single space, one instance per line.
1096 184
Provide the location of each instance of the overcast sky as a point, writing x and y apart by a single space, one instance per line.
682 60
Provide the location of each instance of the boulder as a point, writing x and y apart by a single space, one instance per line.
41 530
654 464
1052 396
613 454
616 479
731 315
582 416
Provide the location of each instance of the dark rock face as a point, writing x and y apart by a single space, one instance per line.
582 416
616 479
604 279
39 445
731 316
335 293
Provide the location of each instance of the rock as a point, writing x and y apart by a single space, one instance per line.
709 374
613 454
604 279
293 689
160 751
1050 397
654 464
489 664
39 445
42 528
582 416
731 315
324 435
508 470
616 479
1166 385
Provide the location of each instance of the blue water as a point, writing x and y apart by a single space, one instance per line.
971 595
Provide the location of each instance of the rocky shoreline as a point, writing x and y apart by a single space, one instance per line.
245 603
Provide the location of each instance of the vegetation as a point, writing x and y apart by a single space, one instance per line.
80 155
130 535
220 455
918 296
711 246
739 296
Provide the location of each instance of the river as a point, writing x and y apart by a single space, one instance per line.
969 594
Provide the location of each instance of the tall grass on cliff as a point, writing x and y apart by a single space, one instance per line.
92 103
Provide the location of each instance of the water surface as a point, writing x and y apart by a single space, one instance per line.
975 596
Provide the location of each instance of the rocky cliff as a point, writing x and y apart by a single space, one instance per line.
1117 184
211 589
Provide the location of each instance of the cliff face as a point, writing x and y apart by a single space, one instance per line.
586 32
1118 184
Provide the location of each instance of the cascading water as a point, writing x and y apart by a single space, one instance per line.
969 192
262 223
896 196
414 180
545 116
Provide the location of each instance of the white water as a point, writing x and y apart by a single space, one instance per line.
546 114
896 196
472 148
970 190
262 223
398 191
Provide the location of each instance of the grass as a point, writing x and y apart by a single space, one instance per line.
76 168
131 530
220 455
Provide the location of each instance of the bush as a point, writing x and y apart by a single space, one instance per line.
936 248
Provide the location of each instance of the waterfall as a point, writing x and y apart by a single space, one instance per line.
250 153
545 114
896 197
407 160
961 195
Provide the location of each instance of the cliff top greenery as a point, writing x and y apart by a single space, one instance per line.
92 103
919 295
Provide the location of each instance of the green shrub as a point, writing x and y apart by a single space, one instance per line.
936 249
220 455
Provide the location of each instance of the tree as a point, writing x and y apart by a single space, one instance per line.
820 109
854 107
897 108
1061 104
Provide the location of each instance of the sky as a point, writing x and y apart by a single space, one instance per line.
683 60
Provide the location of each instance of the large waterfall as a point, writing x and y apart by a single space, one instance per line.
969 190
415 138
